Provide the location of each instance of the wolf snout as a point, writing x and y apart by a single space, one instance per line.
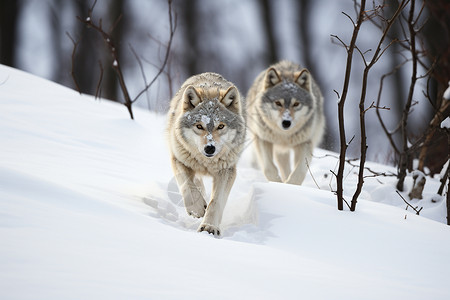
286 124
209 150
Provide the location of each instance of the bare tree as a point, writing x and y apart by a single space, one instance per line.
342 98
9 11
114 52
436 36
413 145
363 15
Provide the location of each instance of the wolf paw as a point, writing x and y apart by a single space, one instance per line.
210 229
196 211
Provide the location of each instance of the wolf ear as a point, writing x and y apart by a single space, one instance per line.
303 79
231 99
271 78
190 98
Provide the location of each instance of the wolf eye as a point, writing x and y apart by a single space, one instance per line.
278 103
221 126
296 104
199 127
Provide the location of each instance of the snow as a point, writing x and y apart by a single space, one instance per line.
446 123
89 209
418 174
287 115
447 92
206 119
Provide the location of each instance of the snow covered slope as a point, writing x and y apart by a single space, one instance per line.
89 210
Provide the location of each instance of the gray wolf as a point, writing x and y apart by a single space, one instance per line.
206 129
285 114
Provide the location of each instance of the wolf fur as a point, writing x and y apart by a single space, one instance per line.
285 112
206 132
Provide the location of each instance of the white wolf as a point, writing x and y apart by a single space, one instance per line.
206 132
285 112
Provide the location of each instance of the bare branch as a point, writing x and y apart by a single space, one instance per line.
407 203
98 91
351 161
337 93
341 41
372 105
351 140
350 18
74 50
362 55
362 121
141 67
384 49
116 65
173 25
419 15
113 26
310 173
113 50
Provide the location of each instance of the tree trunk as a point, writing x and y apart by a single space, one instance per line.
189 13
9 11
436 35
269 31
110 84
86 70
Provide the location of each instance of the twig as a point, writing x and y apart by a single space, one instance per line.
348 205
312 176
74 50
341 41
141 67
389 134
350 162
372 105
337 94
173 26
98 91
415 209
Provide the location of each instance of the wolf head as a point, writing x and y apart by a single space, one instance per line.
211 119
287 100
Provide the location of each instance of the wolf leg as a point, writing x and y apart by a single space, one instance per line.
283 160
302 154
222 183
193 195
264 151
200 186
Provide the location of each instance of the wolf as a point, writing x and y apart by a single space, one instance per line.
206 129
285 114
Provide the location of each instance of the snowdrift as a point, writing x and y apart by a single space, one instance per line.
89 209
